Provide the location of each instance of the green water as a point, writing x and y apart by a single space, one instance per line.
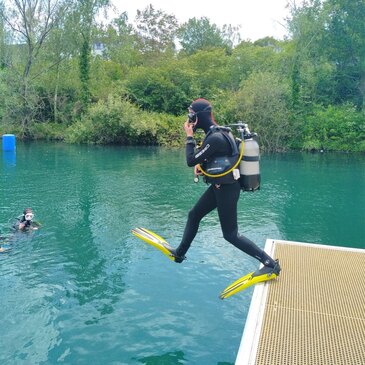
83 290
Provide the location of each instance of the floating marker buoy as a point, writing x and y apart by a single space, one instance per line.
8 142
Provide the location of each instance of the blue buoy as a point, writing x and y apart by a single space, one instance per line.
8 142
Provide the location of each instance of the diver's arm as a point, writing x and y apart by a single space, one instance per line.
25 224
194 156
21 226
35 225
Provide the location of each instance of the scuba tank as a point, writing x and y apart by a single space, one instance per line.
250 163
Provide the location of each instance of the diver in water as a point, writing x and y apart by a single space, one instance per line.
223 192
25 222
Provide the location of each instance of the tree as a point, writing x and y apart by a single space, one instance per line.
84 19
156 31
167 88
209 68
249 57
328 64
310 71
121 43
262 101
344 42
200 34
58 50
2 37
30 22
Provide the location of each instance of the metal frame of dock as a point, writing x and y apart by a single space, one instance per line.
313 313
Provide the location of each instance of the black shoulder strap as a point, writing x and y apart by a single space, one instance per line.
226 132
228 136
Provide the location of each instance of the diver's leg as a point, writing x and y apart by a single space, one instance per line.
227 197
204 205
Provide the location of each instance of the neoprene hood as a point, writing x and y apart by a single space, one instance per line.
203 110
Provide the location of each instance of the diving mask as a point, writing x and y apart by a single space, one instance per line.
192 116
28 216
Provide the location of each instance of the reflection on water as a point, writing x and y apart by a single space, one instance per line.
9 159
83 290
170 358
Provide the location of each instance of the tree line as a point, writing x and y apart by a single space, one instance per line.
68 73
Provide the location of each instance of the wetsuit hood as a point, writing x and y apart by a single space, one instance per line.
203 111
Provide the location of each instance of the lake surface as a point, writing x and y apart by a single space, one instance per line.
83 290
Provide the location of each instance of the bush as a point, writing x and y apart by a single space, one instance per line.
116 120
336 128
47 131
262 102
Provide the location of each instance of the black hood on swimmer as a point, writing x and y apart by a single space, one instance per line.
203 110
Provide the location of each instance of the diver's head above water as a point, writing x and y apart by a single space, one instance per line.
200 114
25 221
28 214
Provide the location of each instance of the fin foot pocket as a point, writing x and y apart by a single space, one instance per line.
269 270
277 268
158 242
178 259
266 273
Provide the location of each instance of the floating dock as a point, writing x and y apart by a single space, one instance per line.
313 314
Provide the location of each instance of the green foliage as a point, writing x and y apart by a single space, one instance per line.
156 30
210 72
336 128
262 101
85 72
247 58
116 120
47 131
154 90
104 76
3 93
344 43
121 43
200 34
328 64
171 86
305 92
170 130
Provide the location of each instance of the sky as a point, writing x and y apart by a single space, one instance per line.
256 18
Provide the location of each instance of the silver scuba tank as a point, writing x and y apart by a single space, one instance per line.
250 163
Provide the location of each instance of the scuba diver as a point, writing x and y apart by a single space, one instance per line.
217 159
223 192
25 221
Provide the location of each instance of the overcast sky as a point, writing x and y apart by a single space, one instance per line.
257 18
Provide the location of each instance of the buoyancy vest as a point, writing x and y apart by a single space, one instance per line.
218 168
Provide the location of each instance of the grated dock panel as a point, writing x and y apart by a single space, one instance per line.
315 312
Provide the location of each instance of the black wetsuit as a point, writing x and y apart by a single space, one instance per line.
223 194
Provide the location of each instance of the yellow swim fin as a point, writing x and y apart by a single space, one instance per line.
156 241
259 276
